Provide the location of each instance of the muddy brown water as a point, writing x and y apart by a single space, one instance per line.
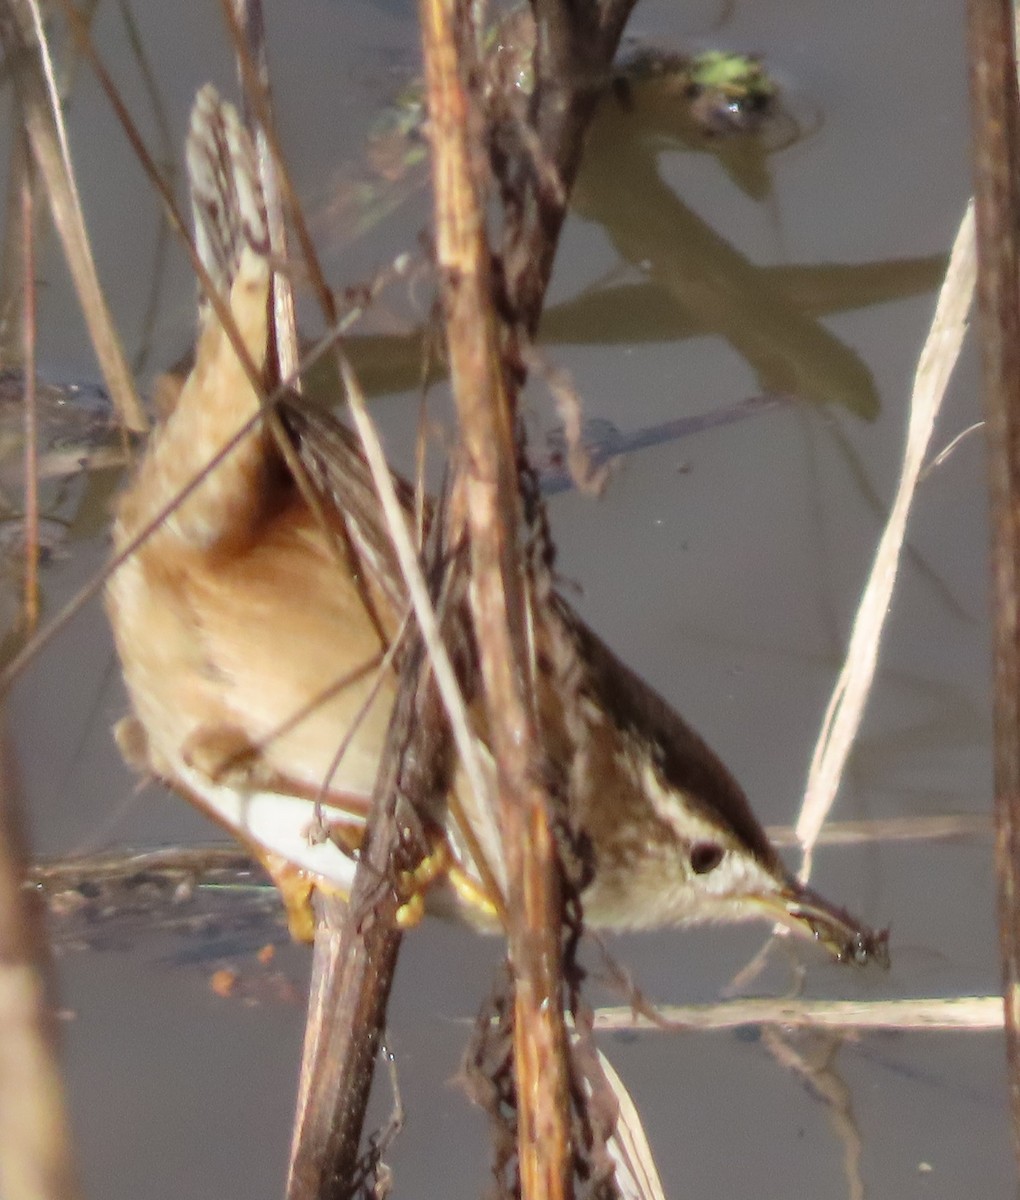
724 567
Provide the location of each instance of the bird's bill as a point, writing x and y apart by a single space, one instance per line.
812 916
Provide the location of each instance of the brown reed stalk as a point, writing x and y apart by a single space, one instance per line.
996 149
500 617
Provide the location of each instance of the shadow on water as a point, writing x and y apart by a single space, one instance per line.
694 282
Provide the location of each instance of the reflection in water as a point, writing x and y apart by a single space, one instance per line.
714 287
693 281
814 1060
76 438
216 902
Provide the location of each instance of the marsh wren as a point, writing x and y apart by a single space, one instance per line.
251 640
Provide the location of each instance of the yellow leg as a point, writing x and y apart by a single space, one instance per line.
414 884
410 913
440 863
472 893
295 887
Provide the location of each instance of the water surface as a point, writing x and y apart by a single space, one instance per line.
724 568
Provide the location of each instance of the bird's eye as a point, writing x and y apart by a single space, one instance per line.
705 857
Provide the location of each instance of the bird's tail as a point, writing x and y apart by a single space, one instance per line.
226 196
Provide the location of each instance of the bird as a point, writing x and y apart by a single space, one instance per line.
256 633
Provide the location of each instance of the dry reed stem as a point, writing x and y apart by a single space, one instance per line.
354 964
428 627
637 1176
846 707
977 1013
487 484
950 827
995 116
